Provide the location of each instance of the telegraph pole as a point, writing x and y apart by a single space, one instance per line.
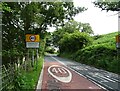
118 37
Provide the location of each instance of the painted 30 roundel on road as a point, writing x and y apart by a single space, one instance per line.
60 73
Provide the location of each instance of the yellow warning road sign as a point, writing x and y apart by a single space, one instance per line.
32 38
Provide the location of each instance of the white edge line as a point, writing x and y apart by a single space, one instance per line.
79 73
39 84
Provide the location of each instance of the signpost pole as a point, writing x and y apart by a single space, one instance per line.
32 57
37 58
37 54
32 41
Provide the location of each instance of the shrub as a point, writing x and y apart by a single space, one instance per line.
75 41
100 56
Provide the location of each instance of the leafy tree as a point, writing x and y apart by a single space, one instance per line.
87 28
74 41
108 5
49 39
20 18
70 27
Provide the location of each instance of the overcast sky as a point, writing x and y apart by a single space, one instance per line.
102 22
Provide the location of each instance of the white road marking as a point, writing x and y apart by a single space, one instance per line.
54 70
63 70
81 74
59 70
65 79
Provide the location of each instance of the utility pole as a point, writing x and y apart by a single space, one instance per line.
118 40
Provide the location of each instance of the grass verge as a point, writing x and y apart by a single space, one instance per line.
27 80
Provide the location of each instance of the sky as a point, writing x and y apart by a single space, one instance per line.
102 22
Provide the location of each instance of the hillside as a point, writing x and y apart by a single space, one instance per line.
101 54
106 38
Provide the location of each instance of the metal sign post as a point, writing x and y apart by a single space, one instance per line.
37 54
32 58
32 41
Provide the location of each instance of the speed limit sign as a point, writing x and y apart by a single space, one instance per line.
32 38
32 41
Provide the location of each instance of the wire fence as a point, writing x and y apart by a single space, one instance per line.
7 77
10 74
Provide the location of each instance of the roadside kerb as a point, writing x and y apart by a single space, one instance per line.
39 84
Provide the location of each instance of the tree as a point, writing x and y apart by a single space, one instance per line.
20 18
74 41
70 27
108 5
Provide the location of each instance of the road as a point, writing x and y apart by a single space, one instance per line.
81 76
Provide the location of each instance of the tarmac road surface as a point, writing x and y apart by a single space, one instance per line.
63 74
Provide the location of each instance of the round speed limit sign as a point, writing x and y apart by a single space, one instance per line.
32 38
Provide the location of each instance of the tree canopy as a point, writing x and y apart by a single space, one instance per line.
20 18
108 5
70 27
74 41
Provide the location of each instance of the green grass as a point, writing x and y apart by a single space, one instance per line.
28 79
106 38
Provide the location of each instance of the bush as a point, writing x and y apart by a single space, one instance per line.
100 56
27 80
75 41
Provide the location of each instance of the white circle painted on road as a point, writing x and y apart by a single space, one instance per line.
60 73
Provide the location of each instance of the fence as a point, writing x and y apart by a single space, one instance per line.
10 73
7 77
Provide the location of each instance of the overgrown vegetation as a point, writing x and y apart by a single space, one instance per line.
28 80
101 53
18 77
74 41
